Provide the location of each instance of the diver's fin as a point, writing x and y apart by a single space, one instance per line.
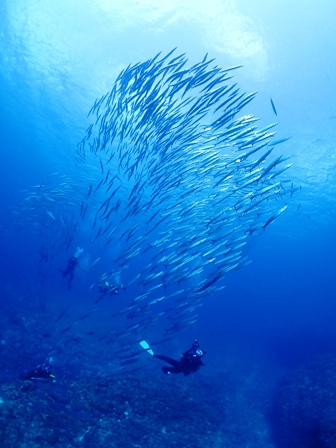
146 346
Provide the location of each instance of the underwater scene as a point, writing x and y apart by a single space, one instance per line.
168 226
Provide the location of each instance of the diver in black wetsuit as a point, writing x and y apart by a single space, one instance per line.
190 362
106 288
72 265
41 373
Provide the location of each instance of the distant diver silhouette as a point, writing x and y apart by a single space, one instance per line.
72 265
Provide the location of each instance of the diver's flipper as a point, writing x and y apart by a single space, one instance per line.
146 346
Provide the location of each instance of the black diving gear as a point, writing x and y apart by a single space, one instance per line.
107 288
41 373
70 270
109 285
190 361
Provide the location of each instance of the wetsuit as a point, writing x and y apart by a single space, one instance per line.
72 265
190 362
42 372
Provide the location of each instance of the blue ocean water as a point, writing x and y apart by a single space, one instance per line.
276 314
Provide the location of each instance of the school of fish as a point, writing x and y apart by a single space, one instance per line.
174 184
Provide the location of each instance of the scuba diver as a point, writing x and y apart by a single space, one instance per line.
72 265
108 285
190 361
41 373
107 288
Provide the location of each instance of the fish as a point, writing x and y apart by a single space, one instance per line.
128 361
61 315
209 283
51 215
99 184
133 280
281 140
90 191
272 218
273 107
97 234
162 341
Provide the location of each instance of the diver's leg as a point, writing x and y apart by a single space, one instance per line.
167 370
173 362
71 276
